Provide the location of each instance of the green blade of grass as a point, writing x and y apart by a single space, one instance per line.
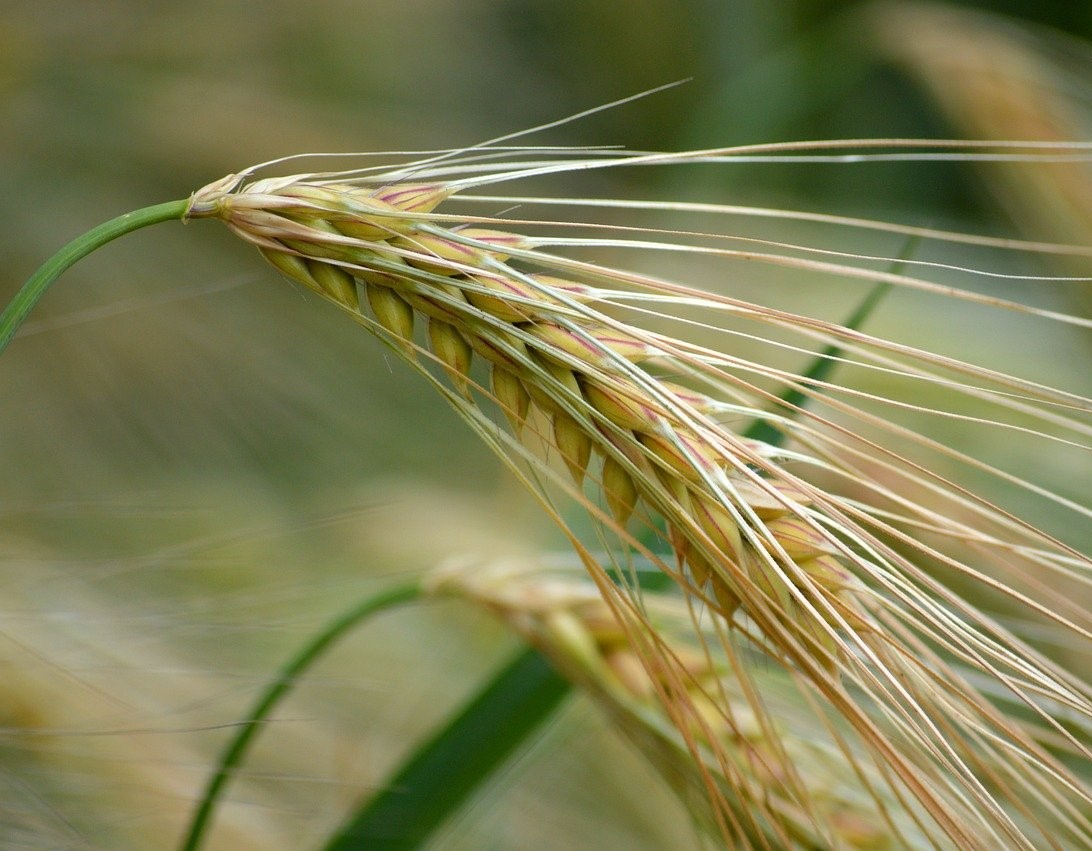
825 362
819 370
23 302
445 772
275 692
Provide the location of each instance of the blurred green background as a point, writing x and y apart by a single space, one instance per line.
199 465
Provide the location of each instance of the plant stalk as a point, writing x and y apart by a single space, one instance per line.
23 303
277 689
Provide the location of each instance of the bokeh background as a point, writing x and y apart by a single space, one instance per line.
199 466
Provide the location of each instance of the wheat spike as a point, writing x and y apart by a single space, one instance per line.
576 369
819 583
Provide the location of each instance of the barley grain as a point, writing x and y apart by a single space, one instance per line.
829 588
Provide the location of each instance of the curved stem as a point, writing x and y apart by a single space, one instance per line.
272 695
458 760
35 287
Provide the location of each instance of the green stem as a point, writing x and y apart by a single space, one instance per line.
825 362
277 689
35 287
444 772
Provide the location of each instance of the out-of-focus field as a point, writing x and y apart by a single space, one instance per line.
199 465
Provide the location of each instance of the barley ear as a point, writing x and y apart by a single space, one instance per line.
832 584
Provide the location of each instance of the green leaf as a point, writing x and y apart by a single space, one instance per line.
825 362
445 771
276 690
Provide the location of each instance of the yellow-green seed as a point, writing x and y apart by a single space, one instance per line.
594 343
573 444
453 350
619 490
768 500
498 300
335 282
544 395
382 277
626 410
314 241
672 459
412 197
293 266
392 312
512 397
447 251
728 600
798 538
424 299
497 346
718 524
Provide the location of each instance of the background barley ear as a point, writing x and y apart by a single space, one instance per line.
763 785
831 547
